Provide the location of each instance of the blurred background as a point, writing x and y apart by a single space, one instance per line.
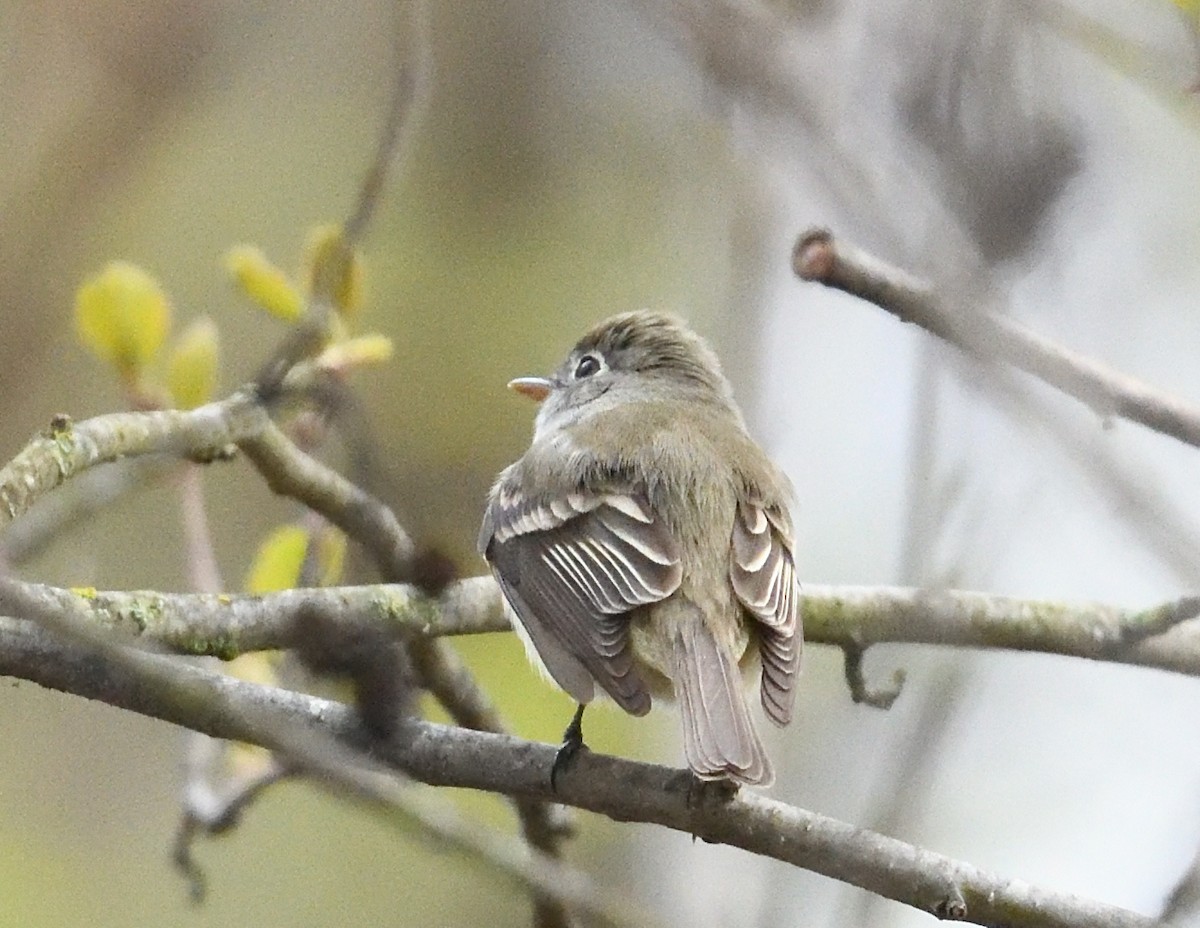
578 159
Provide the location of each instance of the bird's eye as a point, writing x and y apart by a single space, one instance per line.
589 364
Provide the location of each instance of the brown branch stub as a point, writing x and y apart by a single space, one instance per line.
814 257
819 256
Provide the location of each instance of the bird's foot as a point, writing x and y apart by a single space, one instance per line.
702 792
572 744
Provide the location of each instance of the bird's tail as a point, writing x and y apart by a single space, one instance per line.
719 736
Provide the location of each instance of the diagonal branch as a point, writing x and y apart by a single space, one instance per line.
405 114
367 520
68 449
197 698
819 257
290 472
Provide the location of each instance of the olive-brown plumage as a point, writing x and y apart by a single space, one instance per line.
644 542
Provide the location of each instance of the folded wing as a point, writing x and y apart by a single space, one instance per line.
573 569
764 578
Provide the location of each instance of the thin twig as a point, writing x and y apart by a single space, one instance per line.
624 790
405 112
860 692
819 257
1157 521
199 552
208 811
405 115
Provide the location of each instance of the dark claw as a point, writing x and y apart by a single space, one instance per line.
572 744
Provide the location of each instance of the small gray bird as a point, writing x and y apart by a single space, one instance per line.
644 543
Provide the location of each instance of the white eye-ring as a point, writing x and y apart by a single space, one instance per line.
588 365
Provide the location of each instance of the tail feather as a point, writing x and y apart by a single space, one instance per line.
719 736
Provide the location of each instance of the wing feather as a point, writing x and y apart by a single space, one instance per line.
574 568
763 574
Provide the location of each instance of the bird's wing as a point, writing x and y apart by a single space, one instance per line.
573 568
764 578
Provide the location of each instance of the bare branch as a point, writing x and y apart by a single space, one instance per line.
191 696
367 520
68 449
290 472
225 626
1154 637
819 257
405 113
89 663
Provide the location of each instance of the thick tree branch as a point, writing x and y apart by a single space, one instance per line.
819 257
210 702
69 449
845 616
56 647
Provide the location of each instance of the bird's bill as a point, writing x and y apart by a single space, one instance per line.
536 388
